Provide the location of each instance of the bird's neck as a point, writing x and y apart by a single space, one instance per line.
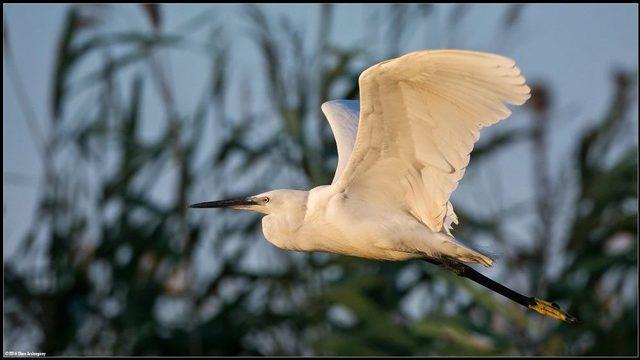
281 226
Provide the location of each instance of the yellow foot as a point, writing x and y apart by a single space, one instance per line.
551 309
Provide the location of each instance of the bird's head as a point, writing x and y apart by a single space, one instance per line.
270 202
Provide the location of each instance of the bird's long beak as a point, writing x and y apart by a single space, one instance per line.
241 203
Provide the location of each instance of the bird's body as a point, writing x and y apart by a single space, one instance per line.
324 219
329 221
402 149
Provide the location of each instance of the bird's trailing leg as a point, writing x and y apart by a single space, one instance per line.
540 306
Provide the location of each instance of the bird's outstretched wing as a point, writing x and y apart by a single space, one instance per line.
420 115
343 119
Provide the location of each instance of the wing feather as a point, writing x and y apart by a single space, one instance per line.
420 115
343 118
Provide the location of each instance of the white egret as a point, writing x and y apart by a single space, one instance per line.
401 151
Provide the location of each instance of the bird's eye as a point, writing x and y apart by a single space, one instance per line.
265 200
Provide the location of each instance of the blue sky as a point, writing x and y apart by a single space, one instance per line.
572 47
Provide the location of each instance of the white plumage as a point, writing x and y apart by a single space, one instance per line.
420 116
402 150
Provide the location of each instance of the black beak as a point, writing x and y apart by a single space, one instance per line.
224 203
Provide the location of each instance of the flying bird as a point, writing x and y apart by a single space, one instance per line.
402 149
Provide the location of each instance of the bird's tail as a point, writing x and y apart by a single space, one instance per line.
449 247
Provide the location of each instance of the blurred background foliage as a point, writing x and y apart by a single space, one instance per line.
121 272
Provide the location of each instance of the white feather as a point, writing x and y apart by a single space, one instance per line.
420 115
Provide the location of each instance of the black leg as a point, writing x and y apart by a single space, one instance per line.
541 306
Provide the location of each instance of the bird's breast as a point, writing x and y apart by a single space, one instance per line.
277 232
341 225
